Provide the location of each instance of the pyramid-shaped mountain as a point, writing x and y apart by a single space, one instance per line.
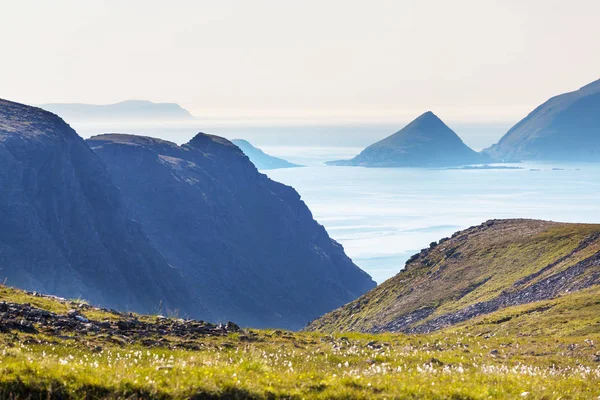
425 142
565 128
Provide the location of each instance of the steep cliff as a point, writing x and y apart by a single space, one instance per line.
63 228
249 247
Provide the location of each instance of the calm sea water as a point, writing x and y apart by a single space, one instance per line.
382 216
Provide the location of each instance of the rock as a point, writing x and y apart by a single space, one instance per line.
232 327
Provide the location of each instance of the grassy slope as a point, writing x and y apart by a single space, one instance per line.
474 265
489 357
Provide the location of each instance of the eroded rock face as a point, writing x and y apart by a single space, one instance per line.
248 247
63 229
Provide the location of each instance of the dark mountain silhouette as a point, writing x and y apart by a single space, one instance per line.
260 159
425 142
248 247
63 228
134 110
565 128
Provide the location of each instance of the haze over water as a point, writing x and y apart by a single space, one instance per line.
384 215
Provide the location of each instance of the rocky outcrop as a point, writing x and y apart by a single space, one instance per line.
116 327
248 247
63 228
260 159
565 128
425 142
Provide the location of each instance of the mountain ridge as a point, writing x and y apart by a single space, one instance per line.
564 128
248 246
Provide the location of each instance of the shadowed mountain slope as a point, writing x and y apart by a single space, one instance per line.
63 229
248 247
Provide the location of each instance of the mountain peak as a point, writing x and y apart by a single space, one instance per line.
26 121
202 140
427 123
425 142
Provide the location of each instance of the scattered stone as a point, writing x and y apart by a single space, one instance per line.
29 319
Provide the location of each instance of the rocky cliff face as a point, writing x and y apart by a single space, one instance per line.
248 247
63 228
478 271
565 128
425 142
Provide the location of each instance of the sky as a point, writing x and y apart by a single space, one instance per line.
467 60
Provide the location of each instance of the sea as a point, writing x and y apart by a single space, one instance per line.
382 216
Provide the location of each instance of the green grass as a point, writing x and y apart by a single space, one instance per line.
514 353
474 266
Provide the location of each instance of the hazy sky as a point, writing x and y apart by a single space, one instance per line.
466 60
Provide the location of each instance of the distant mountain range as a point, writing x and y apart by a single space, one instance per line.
260 159
565 128
425 142
142 224
130 110
479 271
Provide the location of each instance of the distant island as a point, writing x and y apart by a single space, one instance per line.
485 167
425 142
260 159
565 128
130 110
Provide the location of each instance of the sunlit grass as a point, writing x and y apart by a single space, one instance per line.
482 360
